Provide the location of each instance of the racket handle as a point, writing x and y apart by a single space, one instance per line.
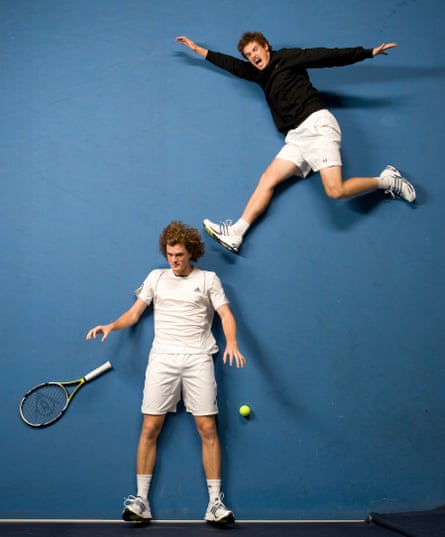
98 371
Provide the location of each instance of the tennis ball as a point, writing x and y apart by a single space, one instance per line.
244 410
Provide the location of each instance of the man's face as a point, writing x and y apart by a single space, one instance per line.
257 55
179 260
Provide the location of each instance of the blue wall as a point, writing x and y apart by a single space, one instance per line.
110 130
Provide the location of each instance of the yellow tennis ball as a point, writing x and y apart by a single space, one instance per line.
244 410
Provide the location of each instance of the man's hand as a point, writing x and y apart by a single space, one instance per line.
101 329
192 45
234 355
231 352
383 48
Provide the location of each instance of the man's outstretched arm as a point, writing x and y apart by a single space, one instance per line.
201 51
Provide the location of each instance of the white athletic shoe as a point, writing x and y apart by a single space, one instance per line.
399 187
136 509
224 234
218 513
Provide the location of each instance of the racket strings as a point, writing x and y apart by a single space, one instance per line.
44 404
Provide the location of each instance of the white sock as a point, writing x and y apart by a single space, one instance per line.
240 227
214 488
143 485
384 181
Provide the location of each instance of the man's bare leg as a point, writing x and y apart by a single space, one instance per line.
137 508
231 235
278 171
336 188
216 511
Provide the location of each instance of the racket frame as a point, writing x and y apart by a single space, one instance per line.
69 395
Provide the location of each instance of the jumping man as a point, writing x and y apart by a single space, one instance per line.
312 134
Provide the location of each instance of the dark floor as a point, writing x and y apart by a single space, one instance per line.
170 529
414 524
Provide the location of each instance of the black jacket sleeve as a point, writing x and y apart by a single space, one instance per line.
239 68
312 58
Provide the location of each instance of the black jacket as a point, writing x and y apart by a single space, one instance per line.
285 81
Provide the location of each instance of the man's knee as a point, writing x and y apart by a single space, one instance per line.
333 182
334 192
207 429
267 182
151 428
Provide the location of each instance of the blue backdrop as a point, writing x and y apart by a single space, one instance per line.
110 129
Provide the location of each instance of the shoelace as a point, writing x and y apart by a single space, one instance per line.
390 192
134 499
395 190
218 503
224 227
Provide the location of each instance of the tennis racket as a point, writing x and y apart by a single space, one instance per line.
47 402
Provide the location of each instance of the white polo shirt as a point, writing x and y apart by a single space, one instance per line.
183 308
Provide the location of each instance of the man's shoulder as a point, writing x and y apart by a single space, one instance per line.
209 277
283 56
286 51
156 273
198 272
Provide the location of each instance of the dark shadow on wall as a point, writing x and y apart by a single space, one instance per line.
278 386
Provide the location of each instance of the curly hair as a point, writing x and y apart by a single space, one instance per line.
178 233
248 37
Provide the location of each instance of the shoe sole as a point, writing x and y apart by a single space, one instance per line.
229 519
129 516
410 200
215 237
400 197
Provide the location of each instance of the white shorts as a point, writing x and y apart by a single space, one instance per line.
315 144
172 377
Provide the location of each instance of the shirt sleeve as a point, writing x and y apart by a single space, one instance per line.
146 291
216 292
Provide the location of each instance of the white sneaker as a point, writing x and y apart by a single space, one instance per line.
218 513
399 187
136 509
223 234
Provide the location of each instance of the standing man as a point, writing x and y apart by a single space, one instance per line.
184 299
312 134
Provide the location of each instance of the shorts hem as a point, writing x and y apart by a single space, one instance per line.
157 412
316 169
